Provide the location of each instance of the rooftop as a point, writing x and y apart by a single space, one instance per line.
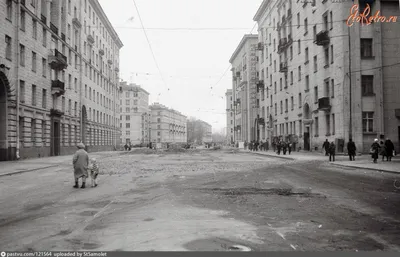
241 44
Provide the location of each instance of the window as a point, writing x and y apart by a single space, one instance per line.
76 85
327 85
326 54
274 65
368 121
306 55
333 124
69 6
33 61
275 87
299 46
292 103
333 88
44 98
367 85
316 94
291 78
128 133
274 45
331 54
280 85
291 52
85 90
315 64
128 125
22 91
331 16
325 21
305 26
316 126
128 102
276 109
366 48
299 73
307 83
300 101
69 106
33 128
34 28
22 20
135 102
44 67
69 81
127 109
286 105
33 95
8 48
76 61
127 94
90 93
298 20
281 107
128 117
63 104
44 37
22 54
328 125
76 109
9 10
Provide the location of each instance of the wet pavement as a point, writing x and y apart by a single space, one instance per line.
202 200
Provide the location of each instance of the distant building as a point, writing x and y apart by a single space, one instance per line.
245 97
135 115
230 117
199 132
167 125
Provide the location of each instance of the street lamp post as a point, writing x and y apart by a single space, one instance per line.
350 89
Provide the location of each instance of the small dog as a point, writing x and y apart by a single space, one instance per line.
94 171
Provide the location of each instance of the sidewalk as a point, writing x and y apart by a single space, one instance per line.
362 162
15 167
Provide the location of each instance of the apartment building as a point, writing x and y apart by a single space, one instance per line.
229 116
198 131
323 79
244 89
59 70
134 115
167 125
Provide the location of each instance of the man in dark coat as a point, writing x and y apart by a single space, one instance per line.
261 145
332 151
326 147
279 146
351 149
389 149
375 147
284 147
290 147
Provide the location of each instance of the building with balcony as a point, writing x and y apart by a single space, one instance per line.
229 117
55 91
244 89
168 126
325 79
198 132
134 115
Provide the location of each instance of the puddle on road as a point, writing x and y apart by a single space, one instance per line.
261 191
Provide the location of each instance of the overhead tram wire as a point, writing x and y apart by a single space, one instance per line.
151 49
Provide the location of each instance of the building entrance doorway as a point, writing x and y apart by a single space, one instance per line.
3 122
307 139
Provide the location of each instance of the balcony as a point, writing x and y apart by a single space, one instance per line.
283 67
43 19
76 22
289 13
260 46
238 101
63 36
109 62
101 52
324 104
56 112
57 87
53 28
90 39
238 74
283 19
322 38
58 61
282 44
260 85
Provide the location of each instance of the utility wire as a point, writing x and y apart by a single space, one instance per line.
151 49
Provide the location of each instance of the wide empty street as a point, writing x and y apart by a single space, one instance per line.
205 200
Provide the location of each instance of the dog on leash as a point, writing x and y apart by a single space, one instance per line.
94 171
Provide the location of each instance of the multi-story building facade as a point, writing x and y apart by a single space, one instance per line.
135 112
167 125
324 79
59 70
244 89
229 116
198 131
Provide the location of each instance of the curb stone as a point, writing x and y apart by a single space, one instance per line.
23 171
272 156
365 168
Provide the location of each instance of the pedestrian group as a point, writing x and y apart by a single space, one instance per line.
83 169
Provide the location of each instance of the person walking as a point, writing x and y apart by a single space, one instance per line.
332 151
383 151
290 147
80 162
261 145
389 149
351 149
245 145
326 147
375 150
284 147
279 146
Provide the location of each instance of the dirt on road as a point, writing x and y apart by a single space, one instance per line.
205 200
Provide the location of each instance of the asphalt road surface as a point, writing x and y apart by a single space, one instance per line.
202 200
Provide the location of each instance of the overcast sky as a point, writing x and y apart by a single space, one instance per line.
191 61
